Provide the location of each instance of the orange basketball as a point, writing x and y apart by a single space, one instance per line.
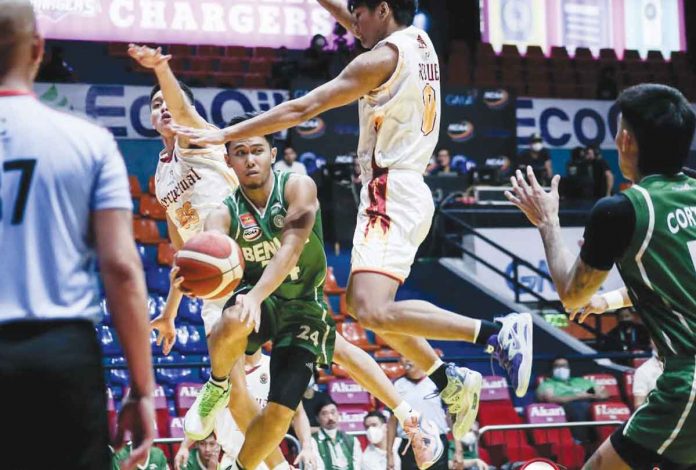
211 264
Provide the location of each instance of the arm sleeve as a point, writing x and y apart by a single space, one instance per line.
608 232
111 189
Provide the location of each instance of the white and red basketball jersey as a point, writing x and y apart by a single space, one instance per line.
191 183
400 120
258 379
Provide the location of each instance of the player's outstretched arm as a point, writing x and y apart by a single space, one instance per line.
339 10
182 111
219 220
365 73
300 423
575 281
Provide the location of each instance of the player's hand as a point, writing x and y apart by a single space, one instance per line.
458 461
201 137
597 306
181 458
249 310
175 280
307 458
539 206
148 57
166 333
137 416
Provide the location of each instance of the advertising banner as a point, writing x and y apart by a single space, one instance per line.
125 110
249 23
525 243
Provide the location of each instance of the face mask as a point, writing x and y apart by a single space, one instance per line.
375 434
561 373
469 439
537 146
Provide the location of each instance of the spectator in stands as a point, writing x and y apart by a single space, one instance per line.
602 177
289 162
283 69
577 183
420 391
607 88
336 449
467 457
204 456
574 394
443 166
375 454
312 399
628 335
538 158
57 69
156 459
645 378
315 61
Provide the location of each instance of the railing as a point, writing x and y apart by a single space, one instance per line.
454 240
522 427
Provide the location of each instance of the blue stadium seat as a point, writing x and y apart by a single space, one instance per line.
147 256
190 340
205 371
190 310
171 377
108 340
157 278
117 377
105 312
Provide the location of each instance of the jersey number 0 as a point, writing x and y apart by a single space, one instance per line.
429 109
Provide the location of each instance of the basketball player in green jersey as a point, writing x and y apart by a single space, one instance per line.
649 232
274 218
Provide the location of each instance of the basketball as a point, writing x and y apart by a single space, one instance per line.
211 264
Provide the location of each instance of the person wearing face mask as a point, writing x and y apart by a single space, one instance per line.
336 450
628 335
375 454
538 157
573 393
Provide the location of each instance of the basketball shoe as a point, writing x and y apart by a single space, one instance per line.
424 438
512 346
200 418
461 395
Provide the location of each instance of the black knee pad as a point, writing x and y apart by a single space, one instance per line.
291 369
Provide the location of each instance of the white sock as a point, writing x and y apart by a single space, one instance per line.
477 330
402 412
220 383
436 365
282 466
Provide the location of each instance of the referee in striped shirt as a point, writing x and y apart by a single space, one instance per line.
65 203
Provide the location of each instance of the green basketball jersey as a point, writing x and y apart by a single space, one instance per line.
258 234
156 459
659 267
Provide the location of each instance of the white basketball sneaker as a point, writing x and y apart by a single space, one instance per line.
200 418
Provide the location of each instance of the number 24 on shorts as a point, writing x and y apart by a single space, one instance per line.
305 335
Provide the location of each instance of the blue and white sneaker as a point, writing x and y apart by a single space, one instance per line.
461 395
512 346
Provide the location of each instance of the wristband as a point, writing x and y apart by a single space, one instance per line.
614 299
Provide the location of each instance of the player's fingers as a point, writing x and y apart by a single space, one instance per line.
521 181
160 337
554 184
586 313
572 314
532 179
168 344
510 197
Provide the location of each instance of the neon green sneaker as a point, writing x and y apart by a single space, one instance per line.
200 418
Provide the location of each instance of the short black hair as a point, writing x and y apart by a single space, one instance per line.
323 403
375 414
184 87
404 10
245 117
663 123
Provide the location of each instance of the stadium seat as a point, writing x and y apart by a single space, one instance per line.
386 354
117 49
485 55
267 52
347 392
180 50
236 51
135 189
338 371
185 395
631 55
111 412
165 253
191 340
608 411
146 231
351 419
260 66
108 340
190 310
556 443
255 80
209 51
231 65
608 382
393 370
172 376
151 186
161 411
117 377
176 427
157 279
150 207
354 333
105 312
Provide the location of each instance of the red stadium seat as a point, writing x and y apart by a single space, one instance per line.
260 66
176 427
117 49
145 231
231 65
180 50
339 372
387 354
351 418
354 333
608 382
267 52
151 185
186 394
255 80
135 189
201 64
556 443
393 370
632 55
347 392
150 207
607 411
209 51
161 411
165 253
236 51
331 286
495 389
